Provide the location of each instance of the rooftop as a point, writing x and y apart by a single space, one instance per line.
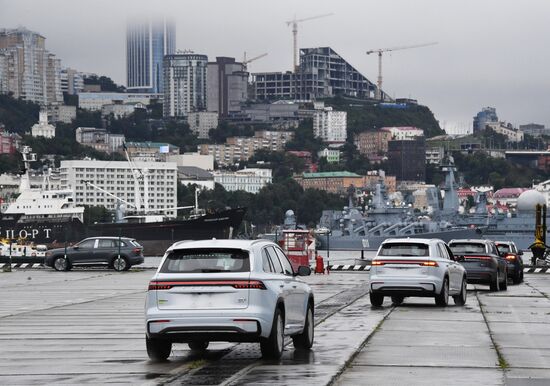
331 175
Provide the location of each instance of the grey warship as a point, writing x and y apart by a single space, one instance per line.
356 229
517 227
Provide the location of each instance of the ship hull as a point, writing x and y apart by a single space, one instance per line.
155 236
158 236
357 243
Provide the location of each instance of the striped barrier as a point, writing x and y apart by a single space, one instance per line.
21 265
349 267
336 267
355 268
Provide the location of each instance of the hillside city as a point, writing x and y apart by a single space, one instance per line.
268 141
369 209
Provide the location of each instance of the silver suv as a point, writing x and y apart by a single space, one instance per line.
416 267
227 290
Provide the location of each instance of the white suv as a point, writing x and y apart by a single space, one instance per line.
416 267
227 290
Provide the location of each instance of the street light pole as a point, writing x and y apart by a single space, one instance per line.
328 251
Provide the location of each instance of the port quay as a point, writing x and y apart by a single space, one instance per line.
256 193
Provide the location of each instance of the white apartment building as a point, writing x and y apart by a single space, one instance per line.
242 148
508 130
184 84
198 160
330 126
96 100
99 139
403 133
249 180
72 81
119 110
434 155
43 128
202 122
332 155
116 177
63 113
27 69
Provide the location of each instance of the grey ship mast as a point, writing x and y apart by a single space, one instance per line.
450 201
28 157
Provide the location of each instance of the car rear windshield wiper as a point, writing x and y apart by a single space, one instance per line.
211 270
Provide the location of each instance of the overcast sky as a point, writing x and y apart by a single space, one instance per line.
490 52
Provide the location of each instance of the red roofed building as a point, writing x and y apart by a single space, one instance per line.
508 196
8 142
463 193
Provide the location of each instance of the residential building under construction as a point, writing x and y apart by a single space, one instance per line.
322 73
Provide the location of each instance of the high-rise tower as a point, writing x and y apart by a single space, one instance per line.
147 41
27 69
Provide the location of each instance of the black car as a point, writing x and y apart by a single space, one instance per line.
119 253
510 252
483 262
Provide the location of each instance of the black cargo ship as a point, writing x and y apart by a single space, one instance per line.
155 236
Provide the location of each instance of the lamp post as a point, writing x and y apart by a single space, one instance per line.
328 250
119 243
8 269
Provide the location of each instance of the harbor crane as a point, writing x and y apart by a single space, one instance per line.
382 50
294 22
246 61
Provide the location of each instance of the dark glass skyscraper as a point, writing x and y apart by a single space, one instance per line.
146 44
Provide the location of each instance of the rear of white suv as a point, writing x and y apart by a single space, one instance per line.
416 267
227 290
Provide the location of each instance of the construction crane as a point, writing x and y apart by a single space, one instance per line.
246 61
380 51
294 22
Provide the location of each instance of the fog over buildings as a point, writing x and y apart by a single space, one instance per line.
490 53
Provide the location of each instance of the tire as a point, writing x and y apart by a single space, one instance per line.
504 284
460 299
272 347
121 264
198 345
376 300
516 279
158 350
61 264
442 299
495 284
397 300
304 340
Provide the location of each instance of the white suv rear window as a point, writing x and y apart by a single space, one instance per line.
404 249
206 261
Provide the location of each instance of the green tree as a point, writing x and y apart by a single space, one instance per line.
17 115
304 139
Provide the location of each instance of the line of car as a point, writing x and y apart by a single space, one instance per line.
250 291
431 268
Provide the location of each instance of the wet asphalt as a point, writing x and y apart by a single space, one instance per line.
86 326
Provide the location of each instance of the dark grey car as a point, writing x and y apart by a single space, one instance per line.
483 262
114 252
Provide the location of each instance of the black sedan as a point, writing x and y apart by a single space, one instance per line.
119 253
510 252
482 261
